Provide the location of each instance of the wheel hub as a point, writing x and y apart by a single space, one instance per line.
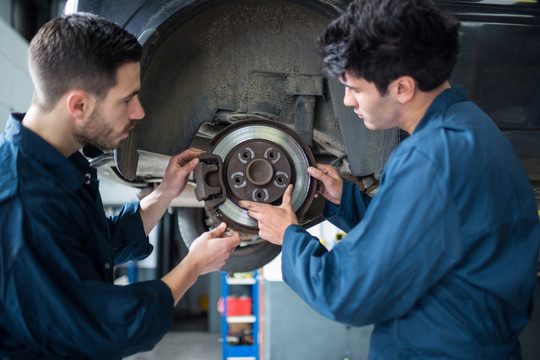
260 159
257 170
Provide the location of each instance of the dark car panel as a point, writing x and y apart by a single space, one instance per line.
210 63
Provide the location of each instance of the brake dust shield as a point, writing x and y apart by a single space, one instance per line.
254 160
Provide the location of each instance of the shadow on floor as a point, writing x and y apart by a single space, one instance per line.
190 322
188 339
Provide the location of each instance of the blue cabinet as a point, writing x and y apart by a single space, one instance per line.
240 316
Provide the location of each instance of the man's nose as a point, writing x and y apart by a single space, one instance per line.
348 98
137 111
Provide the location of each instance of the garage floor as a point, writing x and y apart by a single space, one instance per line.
184 345
188 339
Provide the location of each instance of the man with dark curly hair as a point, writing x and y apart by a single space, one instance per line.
443 259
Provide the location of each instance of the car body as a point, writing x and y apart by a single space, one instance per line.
210 63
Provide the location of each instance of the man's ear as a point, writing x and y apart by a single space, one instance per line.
79 104
403 89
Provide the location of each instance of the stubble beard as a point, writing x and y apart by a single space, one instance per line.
99 133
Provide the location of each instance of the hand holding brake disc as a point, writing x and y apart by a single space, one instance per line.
212 248
177 172
330 182
154 205
272 220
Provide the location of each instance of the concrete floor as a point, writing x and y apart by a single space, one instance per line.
184 345
188 339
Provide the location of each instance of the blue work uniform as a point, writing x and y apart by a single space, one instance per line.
443 259
57 253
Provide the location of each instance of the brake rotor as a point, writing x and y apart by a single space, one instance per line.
260 158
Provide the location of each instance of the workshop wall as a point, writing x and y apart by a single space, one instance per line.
16 87
295 331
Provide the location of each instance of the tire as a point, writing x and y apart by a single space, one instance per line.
252 254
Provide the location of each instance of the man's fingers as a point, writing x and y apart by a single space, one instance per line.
257 207
185 156
254 214
191 152
316 173
236 239
218 231
250 205
245 204
253 208
287 195
233 240
189 166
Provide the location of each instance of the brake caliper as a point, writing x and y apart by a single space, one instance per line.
209 179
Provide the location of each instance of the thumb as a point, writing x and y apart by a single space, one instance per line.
218 231
287 195
316 173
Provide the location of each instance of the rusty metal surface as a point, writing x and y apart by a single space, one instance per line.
260 159
258 171
246 57
204 58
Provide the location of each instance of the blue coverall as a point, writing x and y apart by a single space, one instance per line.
443 259
57 253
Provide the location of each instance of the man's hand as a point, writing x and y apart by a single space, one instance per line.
207 253
272 220
330 182
177 172
212 249
153 206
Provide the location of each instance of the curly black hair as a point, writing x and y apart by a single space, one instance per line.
381 40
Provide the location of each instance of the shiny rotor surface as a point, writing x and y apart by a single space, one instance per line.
299 164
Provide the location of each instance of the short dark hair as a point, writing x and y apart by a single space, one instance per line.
381 40
81 51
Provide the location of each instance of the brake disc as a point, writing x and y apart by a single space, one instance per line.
254 160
